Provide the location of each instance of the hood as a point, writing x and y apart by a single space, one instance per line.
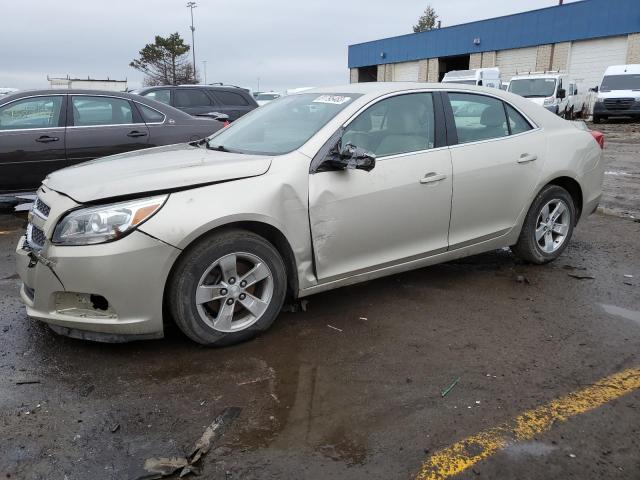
603 95
538 100
153 170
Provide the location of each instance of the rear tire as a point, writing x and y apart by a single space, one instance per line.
548 226
227 288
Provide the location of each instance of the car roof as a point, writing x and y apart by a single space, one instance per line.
164 108
382 88
623 69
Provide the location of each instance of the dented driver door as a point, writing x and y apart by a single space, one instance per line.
399 211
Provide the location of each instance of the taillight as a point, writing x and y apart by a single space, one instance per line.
599 137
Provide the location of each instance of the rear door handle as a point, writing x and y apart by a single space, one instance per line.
432 178
527 158
46 139
136 133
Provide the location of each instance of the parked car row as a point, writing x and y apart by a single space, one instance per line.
311 192
45 130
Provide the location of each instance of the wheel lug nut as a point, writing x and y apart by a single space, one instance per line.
243 283
232 281
223 291
230 301
242 296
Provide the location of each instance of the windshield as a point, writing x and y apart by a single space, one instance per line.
463 82
267 96
281 126
533 87
620 82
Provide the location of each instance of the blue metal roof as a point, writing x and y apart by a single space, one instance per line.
573 21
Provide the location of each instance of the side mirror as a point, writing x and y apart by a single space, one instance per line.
562 93
357 158
595 89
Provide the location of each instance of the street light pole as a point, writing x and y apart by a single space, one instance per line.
204 62
192 5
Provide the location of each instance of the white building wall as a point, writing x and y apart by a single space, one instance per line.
406 72
516 60
589 59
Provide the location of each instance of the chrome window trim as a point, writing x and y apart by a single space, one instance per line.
497 139
109 125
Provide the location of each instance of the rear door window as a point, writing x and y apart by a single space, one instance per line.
478 117
191 97
90 111
517 123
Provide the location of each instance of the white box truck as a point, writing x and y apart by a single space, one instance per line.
551 90
483 77
618 94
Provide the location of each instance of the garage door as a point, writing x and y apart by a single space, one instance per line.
520 60
406 72
589 59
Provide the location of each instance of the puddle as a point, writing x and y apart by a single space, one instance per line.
622 312
530 449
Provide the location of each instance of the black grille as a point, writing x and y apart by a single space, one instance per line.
42 207
35 236
618 103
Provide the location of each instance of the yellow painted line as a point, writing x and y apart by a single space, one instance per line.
466 453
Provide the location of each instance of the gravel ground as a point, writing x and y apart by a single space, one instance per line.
362 399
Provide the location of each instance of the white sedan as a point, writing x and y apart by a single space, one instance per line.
311 192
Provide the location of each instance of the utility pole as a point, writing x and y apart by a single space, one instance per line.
204 62
192 5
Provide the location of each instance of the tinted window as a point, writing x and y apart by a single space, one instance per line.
283 126
517 122
401 124
150 115
230 98
621 82
163 96
533 87
36 112
185 98
478 117
89 111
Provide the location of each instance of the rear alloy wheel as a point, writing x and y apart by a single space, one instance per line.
548 226
228 288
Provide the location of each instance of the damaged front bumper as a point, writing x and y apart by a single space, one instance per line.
108 292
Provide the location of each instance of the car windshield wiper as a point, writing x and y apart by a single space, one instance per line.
218 148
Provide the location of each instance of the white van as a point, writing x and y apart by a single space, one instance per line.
551 90
484 77
618 94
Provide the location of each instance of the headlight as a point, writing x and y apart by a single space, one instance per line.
549 101
104 223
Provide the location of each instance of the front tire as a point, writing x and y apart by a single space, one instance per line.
548 226
227 288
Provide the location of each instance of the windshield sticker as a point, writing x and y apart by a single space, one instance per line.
332 99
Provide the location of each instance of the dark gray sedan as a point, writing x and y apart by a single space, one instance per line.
42 131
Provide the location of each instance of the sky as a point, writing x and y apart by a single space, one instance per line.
283 43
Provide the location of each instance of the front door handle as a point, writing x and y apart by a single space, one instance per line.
136 133
432 178
46 139
527 158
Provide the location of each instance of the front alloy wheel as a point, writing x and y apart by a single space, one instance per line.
234 292
227 288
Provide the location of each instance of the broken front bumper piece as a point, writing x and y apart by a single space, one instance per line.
82 291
